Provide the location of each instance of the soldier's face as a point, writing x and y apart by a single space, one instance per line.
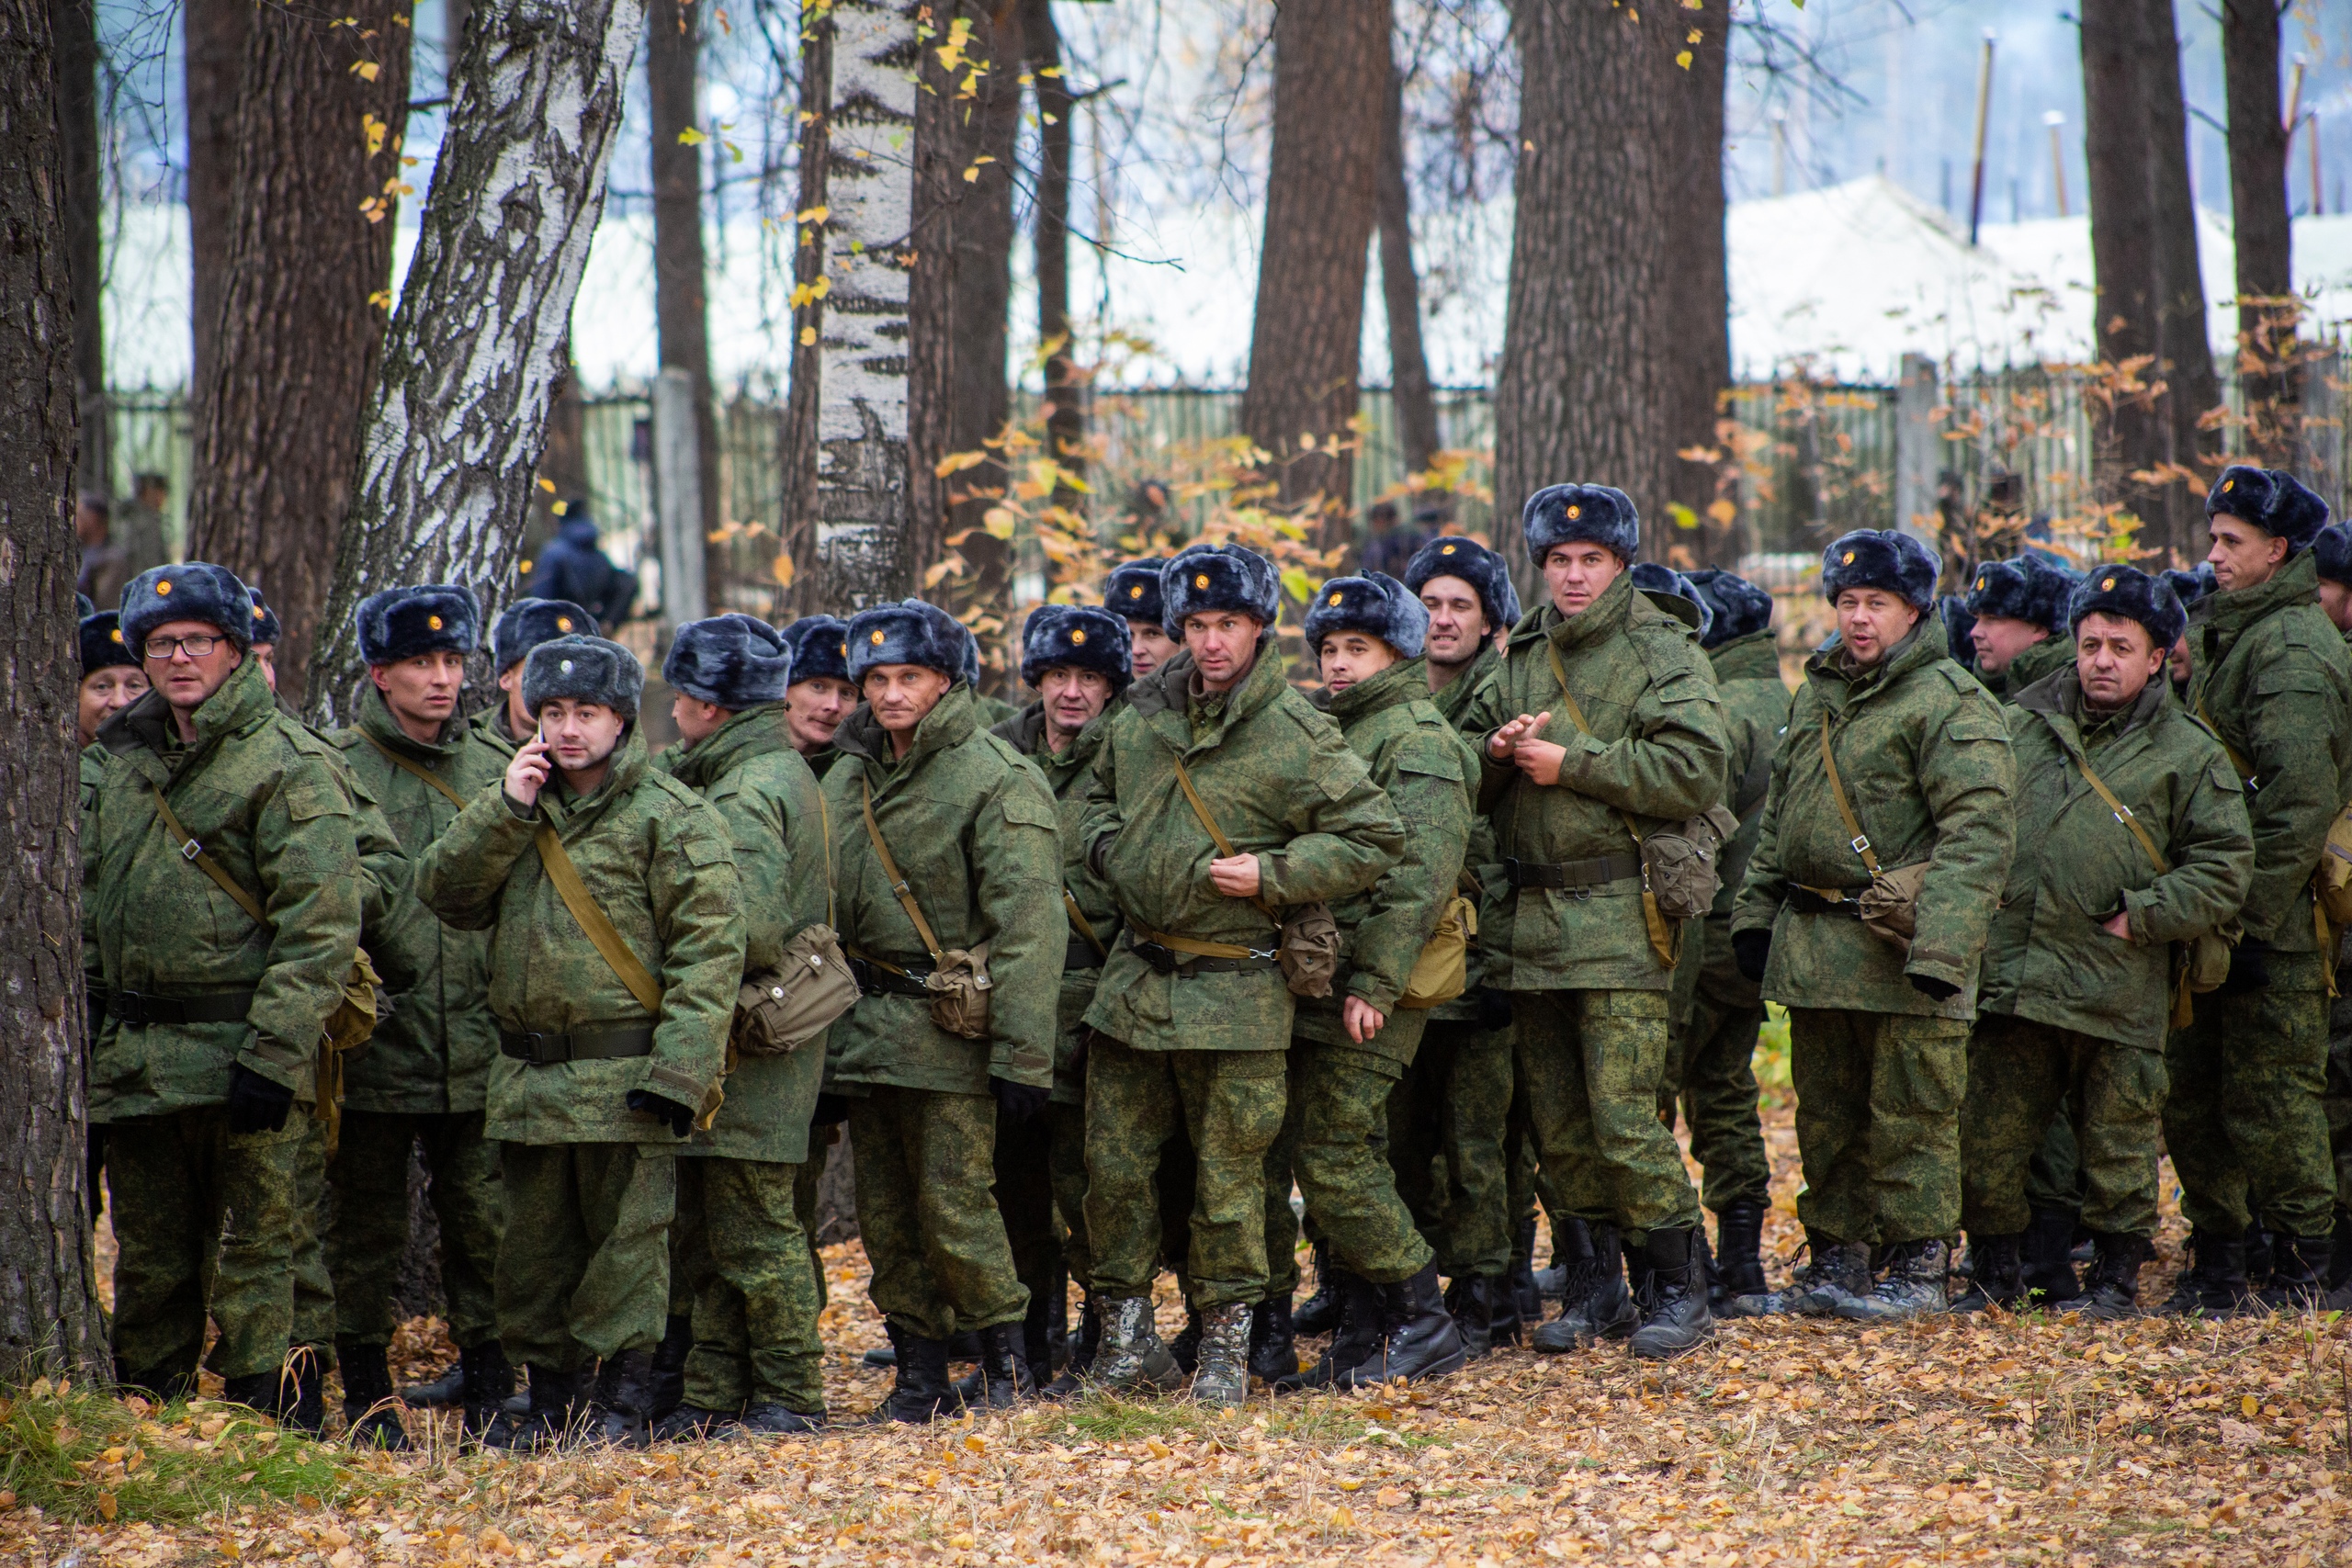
1223 643
813 710
1350 657
1073 697
2337 600
187 680
901 695
2000 638
1871 621
580 735
265 653
1575 575
2115 659
2243 554
1457 621
422 690
106 693
1148 646
518 717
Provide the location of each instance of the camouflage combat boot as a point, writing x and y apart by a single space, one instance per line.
1131 1359
1224 1375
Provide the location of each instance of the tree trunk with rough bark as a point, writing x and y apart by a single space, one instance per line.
50 1320
480 340
1065 394
1587 391
1696 317
2266 304
2150 304
796 439
214 40
681 274
322 102
1401 289
75 27
1332 63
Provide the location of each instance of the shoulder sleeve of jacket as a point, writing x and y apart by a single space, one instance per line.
696 900
1016 883
2210 845
1346 830
307 858
1968 775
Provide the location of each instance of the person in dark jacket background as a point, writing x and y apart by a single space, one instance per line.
575 567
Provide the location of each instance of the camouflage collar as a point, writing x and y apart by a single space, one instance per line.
1161 696
1453 699
2057 701
753 732
1402 682
951 720
376 721
1025 733
1839 682
2230 612
1756 656
243 702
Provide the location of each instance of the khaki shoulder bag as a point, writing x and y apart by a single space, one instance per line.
1442 969
2200 964
958 984
1890 904
1309 948
781 1010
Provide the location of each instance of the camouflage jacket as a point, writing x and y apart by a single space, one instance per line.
433 1047
265 799
489 727
655 858
1428 771
1755 715
2049 957
2038 661
2271 678
1283 785
1924 753
1483 863
1067 773
974 831
1657 749
775 826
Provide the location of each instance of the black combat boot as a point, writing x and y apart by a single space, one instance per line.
921 1392
1675 1319
690 1422
1131 1359
2214 1284
550 1420
1523 1266
1274 1340
1912 1285
2047 1257
1224 1377
270 1392
1504 1326
447 1390
763 1418
1739 1252
1418 1337
373 1419
1466 1297
1005 1376
2339 1267
620 1412
1597 1305
1833 1271
2299 1268
2113 1290
305 1394
1083 1345
484 1382
1319 1313
162 1384
1358 1338
669 1385
1996 1274
1186 1347
2259 1244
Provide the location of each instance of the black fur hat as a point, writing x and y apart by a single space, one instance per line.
736 661
1571 514
1080 634
1132 591
1209 579
187 591
910 632
2127 591
1741 609
1652 578
2193 584
527 623
102 644
971 673
2332 552
82 606
2027 589
2272 500
266 627
1376 605
1450 554
820 646
1958 623
1884 558
400 622
586 670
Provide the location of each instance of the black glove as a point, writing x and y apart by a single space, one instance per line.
1935 989
1749 949
255 1104
680 1120
1086 1038
1017 1101
2249 968
832 1112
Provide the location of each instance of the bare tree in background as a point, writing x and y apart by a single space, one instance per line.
49 1319
73 27
1065 395
1333 77
1695 319
673 33
1401 289
481 337
213 40
322 102
2266 304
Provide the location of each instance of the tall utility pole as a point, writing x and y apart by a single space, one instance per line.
681 274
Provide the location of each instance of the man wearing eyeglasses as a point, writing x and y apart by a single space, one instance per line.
205 1055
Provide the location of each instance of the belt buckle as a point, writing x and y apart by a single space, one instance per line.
1163 960
128 1007
535 1043
1581 893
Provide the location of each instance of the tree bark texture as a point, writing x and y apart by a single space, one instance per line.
1064 393
214 38
74 27
2144 253
2267 303
321 104
1696 319
796 440
1332 63
1587 391
1401 289
48 1308
673 54
482 338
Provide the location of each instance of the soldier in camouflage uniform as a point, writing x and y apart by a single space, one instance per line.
604 1062
212 1022
1878 1036
1600 724
2076 991
505 725
1192 1015
1348 1051
1132 594
973 831
756 1365
2244 1124
2332 552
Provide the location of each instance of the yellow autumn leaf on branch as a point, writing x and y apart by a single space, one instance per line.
375 130
956 462
690 137
366 70
1683 59
1297 584
999 521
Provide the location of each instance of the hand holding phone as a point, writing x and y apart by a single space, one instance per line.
527 773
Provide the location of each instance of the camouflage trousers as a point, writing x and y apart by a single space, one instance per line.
1878 1123
2018 1073
807 1178
1448 1142
1024 1196
925 1162
204 1224
1230 1105
369 1178
1591 1062
314 1310
2338 1101
1710 1069
747 1263
2248 1133
584 1256
1334 1141
2053 1177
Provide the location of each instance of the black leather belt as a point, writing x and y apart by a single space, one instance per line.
1081 955
1806 901
1571 874
220 1007
593 1044
1168 961
881 979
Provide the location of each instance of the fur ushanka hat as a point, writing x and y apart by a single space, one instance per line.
1882 558
2127 591
583 670
187 591
1376 605
1450 554
2272 500
1079 636
527 623
820 646
910 632
1210 579
1741 609
402 623
1572 514
733 660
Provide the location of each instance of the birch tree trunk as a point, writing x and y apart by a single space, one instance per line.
48 1308
481 336
1400 289
796 442
2267 303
